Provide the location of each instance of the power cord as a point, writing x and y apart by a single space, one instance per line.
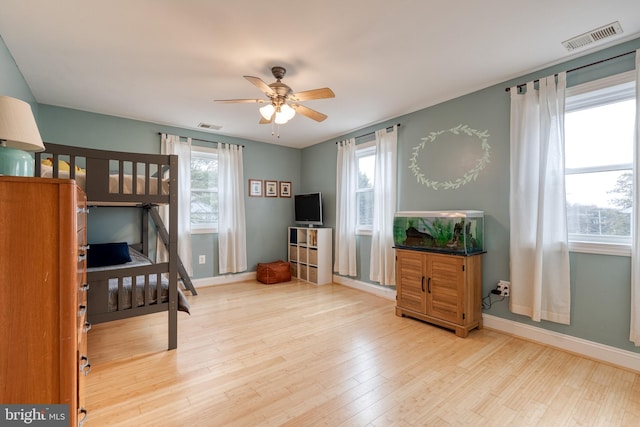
487 302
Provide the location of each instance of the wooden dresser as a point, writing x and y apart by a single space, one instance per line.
43 293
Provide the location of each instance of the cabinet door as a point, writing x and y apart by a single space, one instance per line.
410 280
445 287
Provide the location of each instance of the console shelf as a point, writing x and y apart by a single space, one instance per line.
310 254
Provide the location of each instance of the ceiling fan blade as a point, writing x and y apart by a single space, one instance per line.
260 84
248 101
307 95
306 111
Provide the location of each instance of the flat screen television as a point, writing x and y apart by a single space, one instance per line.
308 208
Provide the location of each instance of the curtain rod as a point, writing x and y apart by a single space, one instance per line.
204 140
370 133
508 89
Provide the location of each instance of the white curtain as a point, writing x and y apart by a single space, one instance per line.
232 233
171 144
346 219
382 263
539 252
635 245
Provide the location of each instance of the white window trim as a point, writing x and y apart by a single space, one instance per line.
610 247
600 248
365 149
204 230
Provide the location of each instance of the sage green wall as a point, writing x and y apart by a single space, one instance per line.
267 219
600 284
12 82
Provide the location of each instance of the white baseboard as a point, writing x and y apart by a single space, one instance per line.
365 287
223 280
589 349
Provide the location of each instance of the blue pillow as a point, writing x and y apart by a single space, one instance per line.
103 254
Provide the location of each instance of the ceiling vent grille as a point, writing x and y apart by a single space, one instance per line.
593 36
209 126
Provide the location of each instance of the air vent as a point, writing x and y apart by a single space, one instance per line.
209 126
593 36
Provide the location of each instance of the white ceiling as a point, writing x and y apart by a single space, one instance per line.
165 61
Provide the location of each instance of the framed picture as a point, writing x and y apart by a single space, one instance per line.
270 188
285 189
255 188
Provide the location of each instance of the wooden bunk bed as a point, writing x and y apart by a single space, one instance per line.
146 181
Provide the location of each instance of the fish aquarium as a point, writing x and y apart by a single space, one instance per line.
454 232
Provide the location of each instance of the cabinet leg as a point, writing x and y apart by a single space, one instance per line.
462 332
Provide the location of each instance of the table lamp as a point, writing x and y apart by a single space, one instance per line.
18 134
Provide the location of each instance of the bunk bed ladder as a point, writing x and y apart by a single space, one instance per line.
164 235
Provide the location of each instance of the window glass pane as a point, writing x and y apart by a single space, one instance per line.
204 190
601 135
204 172
599 204
366 168
364 194
599 127
365 208
204 208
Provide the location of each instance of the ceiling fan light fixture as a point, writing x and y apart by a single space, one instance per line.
282 103
287 111
284 113
280 118
267 111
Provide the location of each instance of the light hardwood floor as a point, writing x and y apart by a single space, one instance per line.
295 354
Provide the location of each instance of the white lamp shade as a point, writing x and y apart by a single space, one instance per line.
267 111
18 127
287 111
284 114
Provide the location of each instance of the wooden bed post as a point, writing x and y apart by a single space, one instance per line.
144 238
173 254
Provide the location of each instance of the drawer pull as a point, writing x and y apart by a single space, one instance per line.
87 327
429 285
82 210
84 416
85 287
82 310
85 247
82 257
85 366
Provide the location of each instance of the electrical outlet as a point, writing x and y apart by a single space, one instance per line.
504 287
202 259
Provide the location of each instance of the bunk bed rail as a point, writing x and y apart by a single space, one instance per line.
111 177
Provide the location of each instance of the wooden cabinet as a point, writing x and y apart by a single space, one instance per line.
310 254
445 290
43 295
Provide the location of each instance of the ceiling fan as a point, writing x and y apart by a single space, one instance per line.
282 102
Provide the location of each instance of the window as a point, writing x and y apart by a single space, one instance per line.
599 128
204 190
365 156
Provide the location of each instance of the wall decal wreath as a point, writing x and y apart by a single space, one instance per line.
468 176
